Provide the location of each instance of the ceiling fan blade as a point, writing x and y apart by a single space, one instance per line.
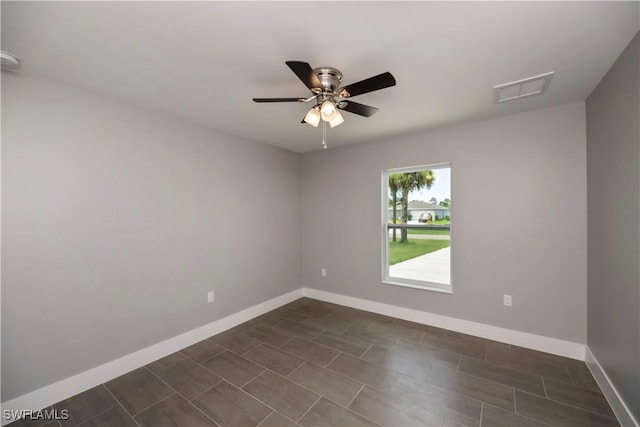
305 73
378 82
356 108
278 99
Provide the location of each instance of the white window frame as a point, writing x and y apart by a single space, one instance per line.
398 281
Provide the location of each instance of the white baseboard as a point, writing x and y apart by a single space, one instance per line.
86 380
524 339
619 407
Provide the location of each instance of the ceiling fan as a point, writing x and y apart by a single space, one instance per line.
329 96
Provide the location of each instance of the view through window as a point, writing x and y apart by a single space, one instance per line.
417 227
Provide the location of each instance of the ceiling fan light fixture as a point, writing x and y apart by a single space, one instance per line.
328 111
337 120
325 85
313 117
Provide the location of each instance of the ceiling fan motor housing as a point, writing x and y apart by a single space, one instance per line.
330 79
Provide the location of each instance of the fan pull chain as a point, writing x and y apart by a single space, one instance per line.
324 134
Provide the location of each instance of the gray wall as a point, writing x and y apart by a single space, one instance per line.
613 159
116 223
532 165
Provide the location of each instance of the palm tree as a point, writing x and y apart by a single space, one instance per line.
394 181
446 203
408 182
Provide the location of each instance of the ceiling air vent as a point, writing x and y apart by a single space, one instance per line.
522 88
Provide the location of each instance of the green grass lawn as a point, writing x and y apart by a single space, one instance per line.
423 231
399 252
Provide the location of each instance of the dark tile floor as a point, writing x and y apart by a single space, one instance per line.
312 363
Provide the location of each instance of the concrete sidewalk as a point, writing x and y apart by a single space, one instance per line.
432 267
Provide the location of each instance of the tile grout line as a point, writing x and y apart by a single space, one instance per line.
251 380
322 395
365 352
209 370
271 407
585 410
121 405
310 407
298 367
535 359
202 412
378 390
507 385
588 411
262 344
265 369
520 415
179 394
277 325
307 360
203 392
155 403
393 346
544 387
431 347
356 395
365 417
227 349
241 391
499 383
334 358
460 393
190 358
262 420
100 413
258 400
570 377
431 363
290 339
347 378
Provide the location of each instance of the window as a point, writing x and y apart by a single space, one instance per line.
416 227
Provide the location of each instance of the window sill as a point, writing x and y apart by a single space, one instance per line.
425 286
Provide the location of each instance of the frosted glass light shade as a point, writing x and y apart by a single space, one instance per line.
328 111
337 119
313 117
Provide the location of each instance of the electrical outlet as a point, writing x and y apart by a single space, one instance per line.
323 272
507 300
210 297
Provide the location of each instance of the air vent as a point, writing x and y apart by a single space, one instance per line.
535 85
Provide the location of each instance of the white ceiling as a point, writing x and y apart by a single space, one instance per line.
204 61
